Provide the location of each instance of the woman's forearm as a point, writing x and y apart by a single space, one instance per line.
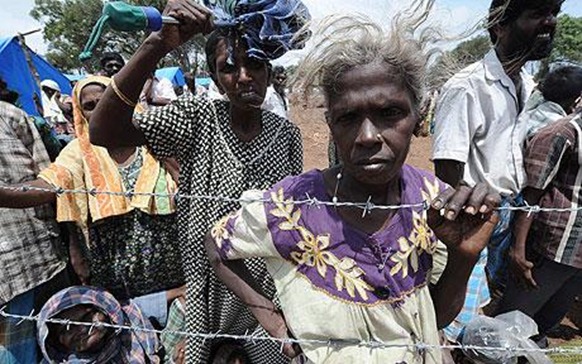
18 198
238 279
112 121
448 294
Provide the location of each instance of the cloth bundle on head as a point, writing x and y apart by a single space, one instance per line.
96 170
133 347
268 26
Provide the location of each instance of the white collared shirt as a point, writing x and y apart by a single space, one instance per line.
274 102
476 123
539 112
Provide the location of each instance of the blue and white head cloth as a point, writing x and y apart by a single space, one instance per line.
267 26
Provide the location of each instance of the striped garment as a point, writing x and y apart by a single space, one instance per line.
30 248
82 165
553 163
477 296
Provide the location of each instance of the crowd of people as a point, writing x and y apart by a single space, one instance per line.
194 218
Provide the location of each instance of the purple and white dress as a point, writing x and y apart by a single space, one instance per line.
337 282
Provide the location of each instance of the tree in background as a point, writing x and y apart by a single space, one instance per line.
567 44
68 24
449 63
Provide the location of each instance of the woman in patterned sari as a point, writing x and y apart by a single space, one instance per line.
347 276
128 238
224 147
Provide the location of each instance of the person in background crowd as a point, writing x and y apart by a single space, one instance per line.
111 63
275 100
51 102
478 137
190 82
280 84
32 256
555 99
65 131
191 86
157 92
341 274
130 240
47 133
223 147
547 254
61 343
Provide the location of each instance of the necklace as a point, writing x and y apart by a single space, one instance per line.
337 182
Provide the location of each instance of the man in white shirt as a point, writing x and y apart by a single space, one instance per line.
477 134
51 102
275 99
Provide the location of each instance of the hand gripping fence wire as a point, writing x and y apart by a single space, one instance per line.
332 343
366 207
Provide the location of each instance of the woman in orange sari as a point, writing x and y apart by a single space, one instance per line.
126 257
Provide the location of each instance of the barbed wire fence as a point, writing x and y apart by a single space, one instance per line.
366 207
331 343
308 200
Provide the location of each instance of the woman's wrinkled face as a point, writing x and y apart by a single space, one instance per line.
245 81
89 97
371 118
77 338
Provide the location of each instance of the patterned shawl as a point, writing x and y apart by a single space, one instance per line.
267 26
123 347
82 165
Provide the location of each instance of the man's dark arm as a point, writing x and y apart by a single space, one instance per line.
449 171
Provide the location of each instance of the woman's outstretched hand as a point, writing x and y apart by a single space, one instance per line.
194 19
464 218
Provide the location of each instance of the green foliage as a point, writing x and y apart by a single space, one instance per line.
567 43
462 55
471 50
68 24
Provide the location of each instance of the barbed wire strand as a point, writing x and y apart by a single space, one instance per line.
254 338
311 201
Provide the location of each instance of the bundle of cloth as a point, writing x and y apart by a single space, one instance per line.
270 27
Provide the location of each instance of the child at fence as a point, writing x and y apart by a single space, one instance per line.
86 344
347 276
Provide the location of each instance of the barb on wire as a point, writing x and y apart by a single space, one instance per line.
374 344
310 201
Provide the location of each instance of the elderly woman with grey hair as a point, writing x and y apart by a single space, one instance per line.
353 283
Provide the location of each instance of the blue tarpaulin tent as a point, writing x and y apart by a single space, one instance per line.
75 78
14 70
173 74
203 81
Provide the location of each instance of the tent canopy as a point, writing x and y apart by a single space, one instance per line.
203 81
18 76
173 74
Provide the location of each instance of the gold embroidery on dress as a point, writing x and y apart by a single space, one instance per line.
421 238
219 232
313 250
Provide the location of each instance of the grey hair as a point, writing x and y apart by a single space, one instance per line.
343 42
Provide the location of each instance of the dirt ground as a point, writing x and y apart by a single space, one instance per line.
311 121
